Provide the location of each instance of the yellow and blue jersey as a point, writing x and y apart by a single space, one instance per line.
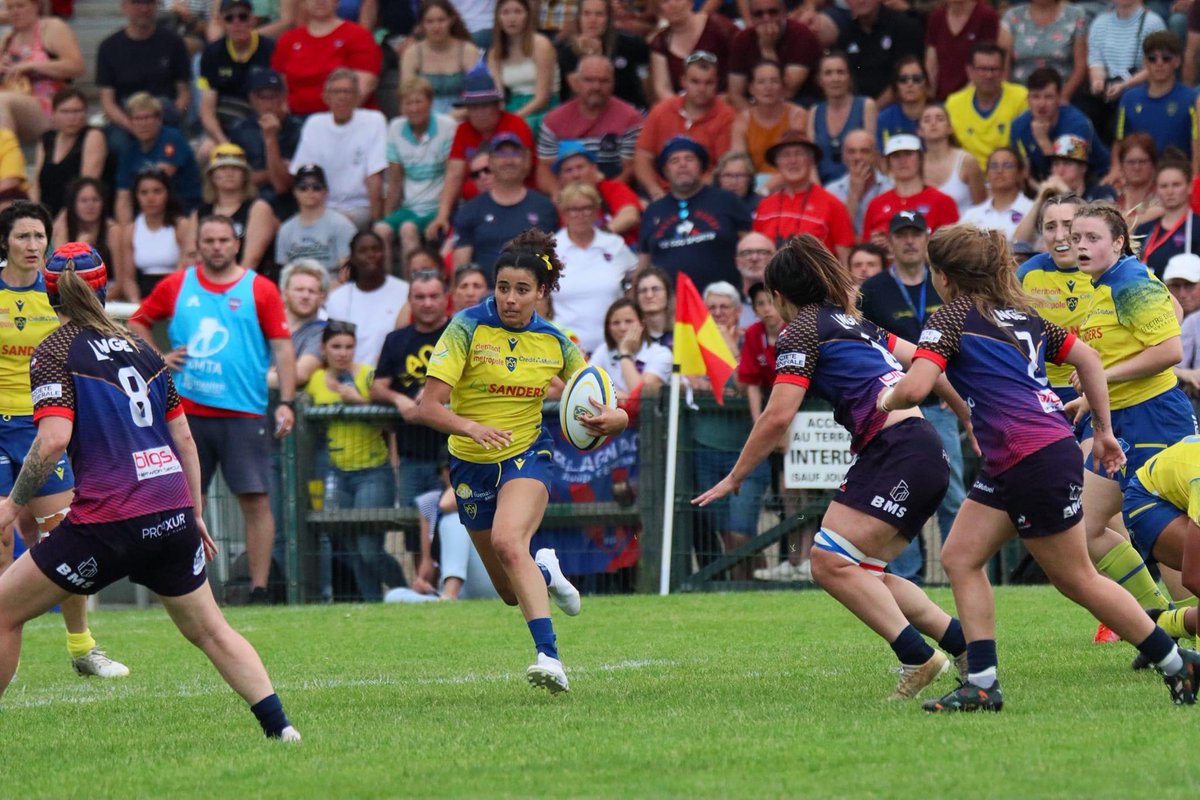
26 318
1174 476
1061 296
353 444
499 375
1130 311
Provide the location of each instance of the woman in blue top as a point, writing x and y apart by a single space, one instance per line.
911 88
839 113
901 472
992 346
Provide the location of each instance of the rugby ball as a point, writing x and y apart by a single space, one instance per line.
589 383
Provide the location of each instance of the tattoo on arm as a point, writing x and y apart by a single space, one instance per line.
34 474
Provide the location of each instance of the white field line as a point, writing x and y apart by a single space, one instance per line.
128 688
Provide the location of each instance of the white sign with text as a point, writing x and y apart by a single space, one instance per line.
818 453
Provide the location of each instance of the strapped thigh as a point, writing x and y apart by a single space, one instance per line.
840 546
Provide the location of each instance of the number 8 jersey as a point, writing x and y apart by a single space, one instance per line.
120 398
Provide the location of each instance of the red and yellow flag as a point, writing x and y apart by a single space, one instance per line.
700 349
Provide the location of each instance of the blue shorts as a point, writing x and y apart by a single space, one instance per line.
1067 394
161 551
1146 515
1041 493
477 486
16 437
1146 429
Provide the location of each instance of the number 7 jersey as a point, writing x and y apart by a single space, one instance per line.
120 398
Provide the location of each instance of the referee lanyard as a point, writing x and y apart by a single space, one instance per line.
918 312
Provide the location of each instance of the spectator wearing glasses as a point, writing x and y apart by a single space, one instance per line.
142 57
157 145
693 228
1164 106
315 232
1136 158
876 38
771 36
952 28
910 88
802 206
1114 43
754 252
1035 131
653 291
1046 34
350 144
225 67
620 209
839 113
982 112
698 113
686 33
1005 205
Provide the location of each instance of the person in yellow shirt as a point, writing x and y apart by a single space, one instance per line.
13 170
359 473
493 366
1162 510
982 112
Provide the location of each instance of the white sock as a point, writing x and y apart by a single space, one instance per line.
1172 664
983 680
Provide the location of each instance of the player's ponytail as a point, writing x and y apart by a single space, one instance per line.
981 265
533 250
78 302
804 272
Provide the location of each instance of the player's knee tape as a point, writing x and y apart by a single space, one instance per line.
839 545
50 522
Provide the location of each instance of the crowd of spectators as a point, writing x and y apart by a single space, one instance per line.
393 148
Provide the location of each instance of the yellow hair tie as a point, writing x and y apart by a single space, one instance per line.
546 259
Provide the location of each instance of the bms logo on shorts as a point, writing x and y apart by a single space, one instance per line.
1072 508
198 561
80 577
894 506
900 492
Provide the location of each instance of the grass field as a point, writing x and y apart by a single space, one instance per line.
730 696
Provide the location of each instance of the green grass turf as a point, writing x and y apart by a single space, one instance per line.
747 695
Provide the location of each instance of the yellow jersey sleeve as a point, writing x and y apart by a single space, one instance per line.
499 376
26 318
1130 311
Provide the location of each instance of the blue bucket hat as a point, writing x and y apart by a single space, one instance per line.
678 144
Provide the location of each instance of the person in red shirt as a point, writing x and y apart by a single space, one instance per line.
485 120
802 206
953 28
306 55
772 36
903 154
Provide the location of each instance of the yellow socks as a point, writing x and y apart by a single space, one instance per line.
1125 566
80 644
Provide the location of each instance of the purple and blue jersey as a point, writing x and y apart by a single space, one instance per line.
120 398
998 365
843 359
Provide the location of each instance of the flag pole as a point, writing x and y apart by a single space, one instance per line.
668 524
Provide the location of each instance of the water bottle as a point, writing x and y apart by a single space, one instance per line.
325 543
331 492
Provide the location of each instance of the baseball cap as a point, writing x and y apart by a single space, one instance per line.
902 143
479 89
229 5
677 144
568 148
87 263
1072 147
903 220
503 139
227 155
262 79
311 171
1183 267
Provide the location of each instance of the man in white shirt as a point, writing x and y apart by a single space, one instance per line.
350 144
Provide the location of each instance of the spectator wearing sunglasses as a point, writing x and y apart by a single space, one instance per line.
698 113
772 36
155 145
687 32
225 67
1163 107
316 231
911 91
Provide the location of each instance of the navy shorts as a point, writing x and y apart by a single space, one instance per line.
1147 515
16 437
161 551
900 477
476 486
242 447
1040 493
1146 429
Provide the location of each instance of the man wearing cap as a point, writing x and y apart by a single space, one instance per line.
982 112
225 66
1069 167
905 161
900 300
350 144
269 137
1183 270
486 118
863 181
620 208
488 222
315 232
698 113
1035 130
418 145
695 227
606 125
802 206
